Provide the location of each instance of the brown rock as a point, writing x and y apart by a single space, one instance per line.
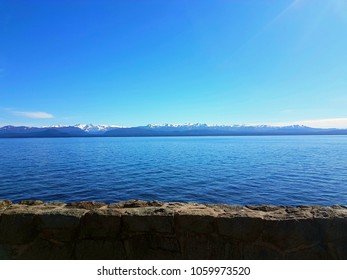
31 202
88 205
5 203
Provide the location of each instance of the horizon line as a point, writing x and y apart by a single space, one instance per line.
274 125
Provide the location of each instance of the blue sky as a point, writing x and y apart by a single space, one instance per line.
138 62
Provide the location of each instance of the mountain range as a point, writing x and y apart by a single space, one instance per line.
90 130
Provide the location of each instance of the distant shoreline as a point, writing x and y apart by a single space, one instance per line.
162 131
170 135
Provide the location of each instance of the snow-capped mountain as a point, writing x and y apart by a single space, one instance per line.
199 126
175 126
197 129
96 129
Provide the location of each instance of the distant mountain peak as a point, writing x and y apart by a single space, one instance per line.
188 129
55 126
177 125
97 128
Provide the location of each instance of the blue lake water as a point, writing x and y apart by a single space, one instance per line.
279 170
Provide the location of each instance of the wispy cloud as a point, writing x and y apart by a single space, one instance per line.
319 123
34 115
326 123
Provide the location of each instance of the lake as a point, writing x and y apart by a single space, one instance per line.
278 170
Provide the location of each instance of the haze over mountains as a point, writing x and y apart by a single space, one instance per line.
90 130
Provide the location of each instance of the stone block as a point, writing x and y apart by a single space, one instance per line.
42 249
240 228
17 228
202 246
60 226
147 223
290 234
100 224
194 223
150 246
261 251
5 252
99 250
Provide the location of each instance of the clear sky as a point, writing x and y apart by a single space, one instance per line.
135 62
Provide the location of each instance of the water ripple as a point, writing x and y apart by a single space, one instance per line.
235 170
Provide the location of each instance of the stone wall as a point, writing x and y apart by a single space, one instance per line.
156 230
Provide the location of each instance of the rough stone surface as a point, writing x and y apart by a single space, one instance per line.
138 229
